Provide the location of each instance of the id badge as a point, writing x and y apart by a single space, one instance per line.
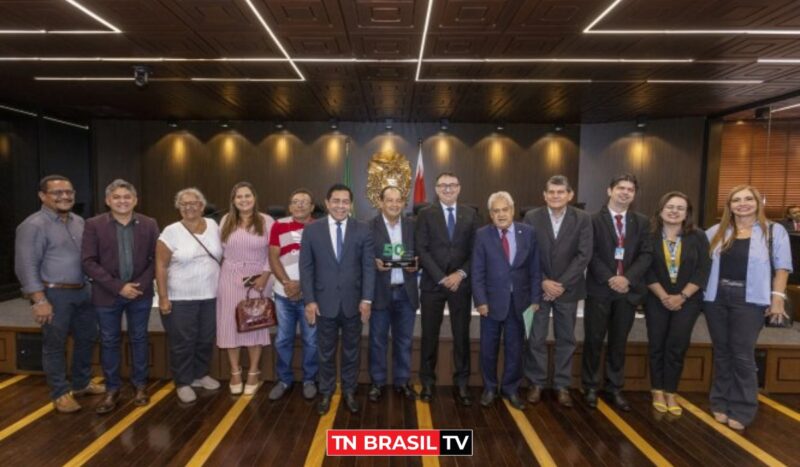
619 253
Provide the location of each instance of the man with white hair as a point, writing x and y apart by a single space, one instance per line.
506 280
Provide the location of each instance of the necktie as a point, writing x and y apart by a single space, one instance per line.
620 240
339 241
451 222
506 247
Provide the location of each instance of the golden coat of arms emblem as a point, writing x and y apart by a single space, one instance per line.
387 169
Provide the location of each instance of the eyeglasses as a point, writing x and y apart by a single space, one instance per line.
447 186
190 204
60 193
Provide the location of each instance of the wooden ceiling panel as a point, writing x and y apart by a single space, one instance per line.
383 15
551 15
294 16
319 46
44 14
461 45
211 15
483 15
385 46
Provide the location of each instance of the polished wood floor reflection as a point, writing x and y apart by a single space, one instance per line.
219 429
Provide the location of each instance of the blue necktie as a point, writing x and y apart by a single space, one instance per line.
451 222
339 242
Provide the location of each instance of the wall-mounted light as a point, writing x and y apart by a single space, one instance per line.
444 124
172 123
224 124
641 122
500 126
388 124
334 124
558 127
279 125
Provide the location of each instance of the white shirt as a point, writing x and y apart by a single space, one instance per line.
395 236
556 221
447 213
192 274
332 229
614 220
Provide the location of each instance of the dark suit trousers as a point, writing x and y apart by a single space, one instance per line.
513 331
432 306
734 326
615 318
328 341
564 315
668 336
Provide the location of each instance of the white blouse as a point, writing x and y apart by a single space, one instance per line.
192 274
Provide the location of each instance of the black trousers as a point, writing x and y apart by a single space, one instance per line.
432 306
328 341
668 337
615 318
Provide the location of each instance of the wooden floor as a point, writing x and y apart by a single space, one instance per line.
219 429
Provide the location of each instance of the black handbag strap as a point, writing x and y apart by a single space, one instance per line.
201 244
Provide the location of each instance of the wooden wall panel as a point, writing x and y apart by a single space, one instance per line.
666 156
783 371
161 160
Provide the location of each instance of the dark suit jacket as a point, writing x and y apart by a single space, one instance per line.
494 280
564 259
789 225
383 280
438 255
329 283
635 263
100 256
695 263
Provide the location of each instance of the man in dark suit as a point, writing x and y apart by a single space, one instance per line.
564 235
792 220
444 234
117 253
506 280
396 296
337 277
615 286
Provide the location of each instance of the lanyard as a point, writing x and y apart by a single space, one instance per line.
672 253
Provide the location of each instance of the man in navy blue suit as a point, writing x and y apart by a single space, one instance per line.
506 280
337 277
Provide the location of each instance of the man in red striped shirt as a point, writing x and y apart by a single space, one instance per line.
284 256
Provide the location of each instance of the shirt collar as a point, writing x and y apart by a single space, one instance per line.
332 221
510 229
563 212
445 207
52 215
389 224
614 213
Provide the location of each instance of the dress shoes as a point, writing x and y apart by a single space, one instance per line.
427 393
351 402
324 404
141 398
619 401
590 396
515 402
564 398
488 398
108 403
374 394
66 404
407 391
535 394
462 395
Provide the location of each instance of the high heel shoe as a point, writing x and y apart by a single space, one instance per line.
236 389
659 406
674 408
250 389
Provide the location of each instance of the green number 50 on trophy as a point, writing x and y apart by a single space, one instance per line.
395 255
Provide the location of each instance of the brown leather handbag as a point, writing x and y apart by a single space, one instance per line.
255 313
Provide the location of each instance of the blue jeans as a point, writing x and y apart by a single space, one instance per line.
72 313
191 327
290 313
137 313
400 318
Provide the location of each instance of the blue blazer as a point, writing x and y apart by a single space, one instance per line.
493 279
329 283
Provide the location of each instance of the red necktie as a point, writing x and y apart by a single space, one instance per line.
620 240
506 247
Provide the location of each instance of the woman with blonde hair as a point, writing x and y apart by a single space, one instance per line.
741 290
245 238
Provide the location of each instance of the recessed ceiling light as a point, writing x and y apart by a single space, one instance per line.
444 124
388 124
334 124
19 111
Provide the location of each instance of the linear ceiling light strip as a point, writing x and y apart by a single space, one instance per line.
424 38
111 28
19 111
275 39
66 122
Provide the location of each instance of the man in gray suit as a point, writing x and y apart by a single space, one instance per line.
564 235
337 277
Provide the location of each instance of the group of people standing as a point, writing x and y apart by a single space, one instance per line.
331 276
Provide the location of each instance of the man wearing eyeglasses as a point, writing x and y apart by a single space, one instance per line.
48 265
284 258
445 233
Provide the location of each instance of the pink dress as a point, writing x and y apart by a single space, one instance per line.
245 254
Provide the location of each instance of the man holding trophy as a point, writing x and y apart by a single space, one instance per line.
396 295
